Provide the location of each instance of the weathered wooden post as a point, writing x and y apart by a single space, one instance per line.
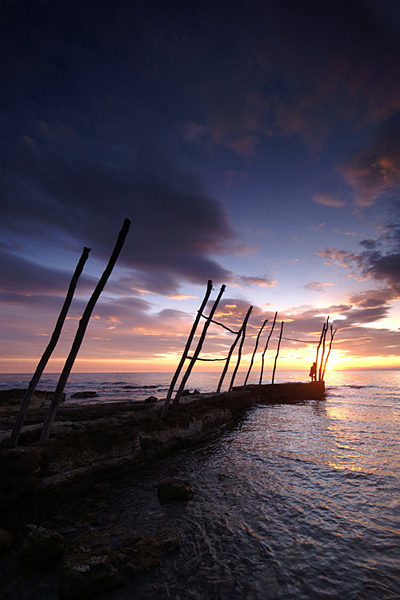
318 347
243 328
266 347
81 332
277 352
227 360
329 350
324 331
254 352
186 349
199 346
49 350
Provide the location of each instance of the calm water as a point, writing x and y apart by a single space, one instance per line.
294 502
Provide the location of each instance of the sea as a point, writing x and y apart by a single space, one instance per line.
292 502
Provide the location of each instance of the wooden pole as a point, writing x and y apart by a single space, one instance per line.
187 347
254 352
266 347
49 350
323 349
228 358
81 332
318 347
199 346
277 352
240 347
329 351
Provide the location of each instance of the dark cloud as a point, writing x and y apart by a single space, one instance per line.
375 171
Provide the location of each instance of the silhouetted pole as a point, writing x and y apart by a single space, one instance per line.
266 347
329 350
324 331
243 328
49 350
199 346
318 347
254 352
277 352
186 350
228 358
81 332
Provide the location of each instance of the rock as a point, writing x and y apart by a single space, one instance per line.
151 399
174 490
42 548
85 395
167 540
87 571
5 540
185 393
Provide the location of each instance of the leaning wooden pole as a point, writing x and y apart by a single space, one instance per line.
186 350
323 350
240 348
329 351
318 347
83 323
199 346
277 352
227 360
49 350
266 347
254 352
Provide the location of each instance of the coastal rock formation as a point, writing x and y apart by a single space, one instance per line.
93 442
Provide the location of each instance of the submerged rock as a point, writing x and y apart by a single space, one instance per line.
174 490
85 395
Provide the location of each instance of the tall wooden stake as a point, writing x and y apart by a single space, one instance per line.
266 347
277 352
254 352
228 358
329 351
323 349
318 347
199 346
240 347
49 350
187 347
81 332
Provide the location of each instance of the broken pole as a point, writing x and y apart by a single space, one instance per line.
254 352
187 347
49 350
266 348
199 346
240 347
83 323
277 352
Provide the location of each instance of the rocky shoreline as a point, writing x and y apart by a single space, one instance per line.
90 445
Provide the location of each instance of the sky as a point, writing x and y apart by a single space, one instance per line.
252 143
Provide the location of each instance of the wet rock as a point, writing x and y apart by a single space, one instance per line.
151 399
6 539
87 571
167 539
85 395
42 548
174 490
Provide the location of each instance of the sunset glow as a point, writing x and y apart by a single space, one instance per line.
246 148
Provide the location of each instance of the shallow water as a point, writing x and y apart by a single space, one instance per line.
295 502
